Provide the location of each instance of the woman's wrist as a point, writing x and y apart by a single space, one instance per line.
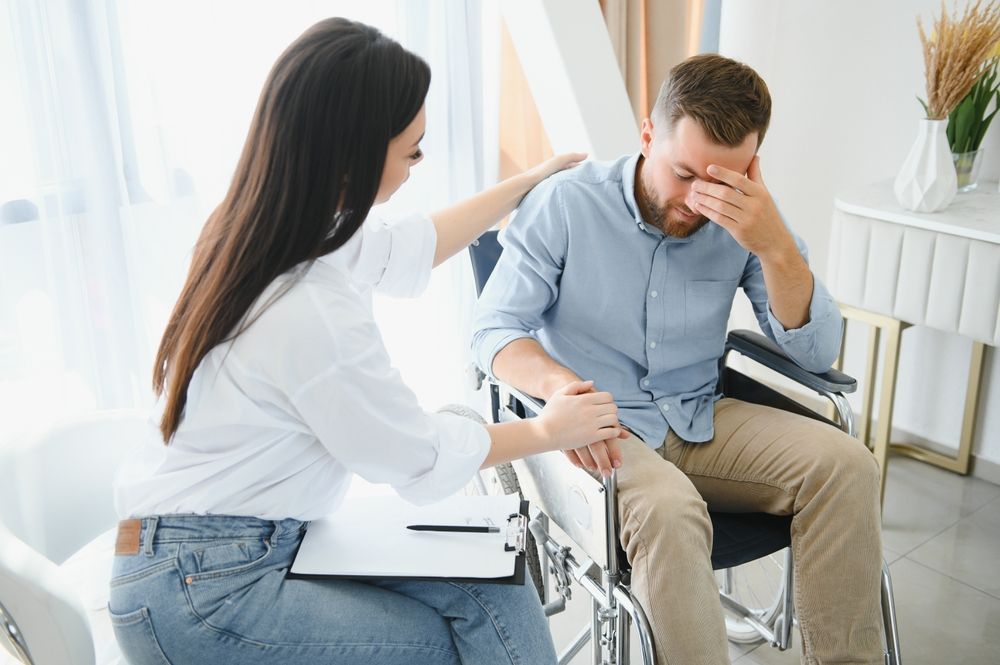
542 433
523 183
555 382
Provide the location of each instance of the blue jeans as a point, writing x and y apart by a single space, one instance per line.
212 589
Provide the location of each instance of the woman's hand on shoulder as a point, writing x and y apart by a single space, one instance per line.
554 164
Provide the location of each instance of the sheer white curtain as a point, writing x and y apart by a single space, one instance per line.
429 337
120 124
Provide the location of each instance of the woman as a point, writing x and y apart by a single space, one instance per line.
275 387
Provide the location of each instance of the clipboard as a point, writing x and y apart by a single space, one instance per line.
367 539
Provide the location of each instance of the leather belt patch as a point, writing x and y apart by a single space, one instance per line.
128 537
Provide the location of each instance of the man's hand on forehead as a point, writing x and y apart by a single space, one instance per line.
723 175
742 205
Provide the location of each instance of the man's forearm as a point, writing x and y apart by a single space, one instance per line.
525 365
789 285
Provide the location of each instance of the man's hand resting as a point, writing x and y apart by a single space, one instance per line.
600 456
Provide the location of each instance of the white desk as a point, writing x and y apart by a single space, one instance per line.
892 268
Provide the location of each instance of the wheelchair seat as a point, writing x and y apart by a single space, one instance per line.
740 538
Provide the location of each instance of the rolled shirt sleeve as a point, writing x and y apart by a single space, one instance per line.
391 258
815 345
371 422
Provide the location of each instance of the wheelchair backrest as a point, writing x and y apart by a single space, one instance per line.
485 252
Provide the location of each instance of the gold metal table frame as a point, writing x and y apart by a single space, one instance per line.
881 445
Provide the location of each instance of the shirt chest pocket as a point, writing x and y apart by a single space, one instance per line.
707 304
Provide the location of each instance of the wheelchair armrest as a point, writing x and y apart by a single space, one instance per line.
761 349
532 404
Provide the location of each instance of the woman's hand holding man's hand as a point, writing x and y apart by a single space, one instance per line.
577 414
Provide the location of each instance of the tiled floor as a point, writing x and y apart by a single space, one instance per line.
942 542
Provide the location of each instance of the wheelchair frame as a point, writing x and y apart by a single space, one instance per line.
584 504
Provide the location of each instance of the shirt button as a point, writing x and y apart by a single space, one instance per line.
652 294
652 345
665 407
645 382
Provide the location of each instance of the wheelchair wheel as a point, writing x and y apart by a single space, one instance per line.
757 586
501 479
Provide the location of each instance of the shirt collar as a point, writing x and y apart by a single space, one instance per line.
628 192
628 187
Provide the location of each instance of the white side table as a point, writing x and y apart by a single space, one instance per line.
892 268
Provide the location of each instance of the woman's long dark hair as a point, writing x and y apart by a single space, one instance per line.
307 177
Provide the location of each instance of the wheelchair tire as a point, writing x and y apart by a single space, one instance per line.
757 586
502 479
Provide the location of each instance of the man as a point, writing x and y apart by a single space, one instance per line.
625 273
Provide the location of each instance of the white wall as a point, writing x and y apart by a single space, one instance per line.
570 66
843 77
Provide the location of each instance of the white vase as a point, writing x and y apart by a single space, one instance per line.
927 181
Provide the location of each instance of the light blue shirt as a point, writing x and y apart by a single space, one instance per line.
643 314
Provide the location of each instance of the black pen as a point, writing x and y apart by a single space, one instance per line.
447 527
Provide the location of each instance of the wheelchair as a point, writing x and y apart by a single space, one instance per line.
758 607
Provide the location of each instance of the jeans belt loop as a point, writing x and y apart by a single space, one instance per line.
276 533
147 535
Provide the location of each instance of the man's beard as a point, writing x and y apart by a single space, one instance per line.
661 217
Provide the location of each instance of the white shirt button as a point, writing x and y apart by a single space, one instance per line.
652 294
665 407
652 345
645 382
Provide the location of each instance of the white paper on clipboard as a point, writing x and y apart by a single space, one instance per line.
367 537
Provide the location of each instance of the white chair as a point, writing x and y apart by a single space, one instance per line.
41 616
56 497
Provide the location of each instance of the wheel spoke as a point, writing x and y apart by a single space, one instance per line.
756 586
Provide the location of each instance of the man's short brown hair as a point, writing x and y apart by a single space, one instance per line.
728 99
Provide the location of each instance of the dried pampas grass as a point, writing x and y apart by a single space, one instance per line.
955 53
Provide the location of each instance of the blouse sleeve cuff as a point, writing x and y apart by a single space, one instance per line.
462 447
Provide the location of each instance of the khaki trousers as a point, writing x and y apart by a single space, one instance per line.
760 460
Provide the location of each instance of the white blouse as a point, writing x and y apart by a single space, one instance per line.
278 420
